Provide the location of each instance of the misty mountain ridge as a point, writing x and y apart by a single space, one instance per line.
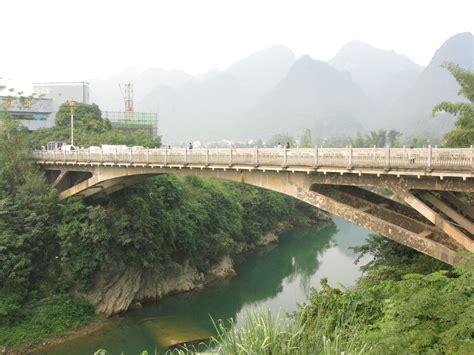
412 111
313 95
268 92
382 74
206 106
264 69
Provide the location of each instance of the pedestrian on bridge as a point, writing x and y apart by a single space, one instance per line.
411 156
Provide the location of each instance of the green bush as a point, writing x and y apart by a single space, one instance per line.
51 316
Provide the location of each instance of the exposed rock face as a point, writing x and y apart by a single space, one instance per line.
115 293
127 286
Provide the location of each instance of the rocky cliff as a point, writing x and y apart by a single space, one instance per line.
116 292
126 287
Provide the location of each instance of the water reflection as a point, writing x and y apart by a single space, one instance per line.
278 277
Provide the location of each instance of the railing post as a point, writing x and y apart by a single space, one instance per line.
147 156
64 156
207 156
75 156
89 155
115 155
130 156
387 162
101 155
472 157
230 156
285 156
350 156
316 162
185 156
166 156
256 156
429 157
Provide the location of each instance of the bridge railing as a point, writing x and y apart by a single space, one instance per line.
386 158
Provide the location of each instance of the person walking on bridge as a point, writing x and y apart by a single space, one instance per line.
411 156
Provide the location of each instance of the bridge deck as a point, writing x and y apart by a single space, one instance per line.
441 162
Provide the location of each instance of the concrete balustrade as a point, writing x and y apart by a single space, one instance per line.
416 159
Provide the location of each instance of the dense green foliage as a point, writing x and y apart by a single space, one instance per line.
90 129
463 133
85 116
168 219
86 138
409 314
33 303
400 305
44 317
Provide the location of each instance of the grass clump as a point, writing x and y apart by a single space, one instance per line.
265 333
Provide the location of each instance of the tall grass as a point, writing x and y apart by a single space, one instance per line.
265 333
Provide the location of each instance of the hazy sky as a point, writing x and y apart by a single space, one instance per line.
70 40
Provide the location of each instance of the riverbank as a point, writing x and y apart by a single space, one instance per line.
278 276
116 290
224 269
84 330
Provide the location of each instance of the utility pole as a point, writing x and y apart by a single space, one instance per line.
72 105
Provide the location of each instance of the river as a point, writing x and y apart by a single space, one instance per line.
278 277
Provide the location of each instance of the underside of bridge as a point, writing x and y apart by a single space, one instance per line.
421 212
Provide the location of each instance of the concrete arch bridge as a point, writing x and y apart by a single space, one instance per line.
352 183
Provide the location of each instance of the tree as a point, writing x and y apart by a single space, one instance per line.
86 116
358 141
377 138
13 150
463 133
306 140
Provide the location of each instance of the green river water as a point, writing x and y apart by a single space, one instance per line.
278 277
